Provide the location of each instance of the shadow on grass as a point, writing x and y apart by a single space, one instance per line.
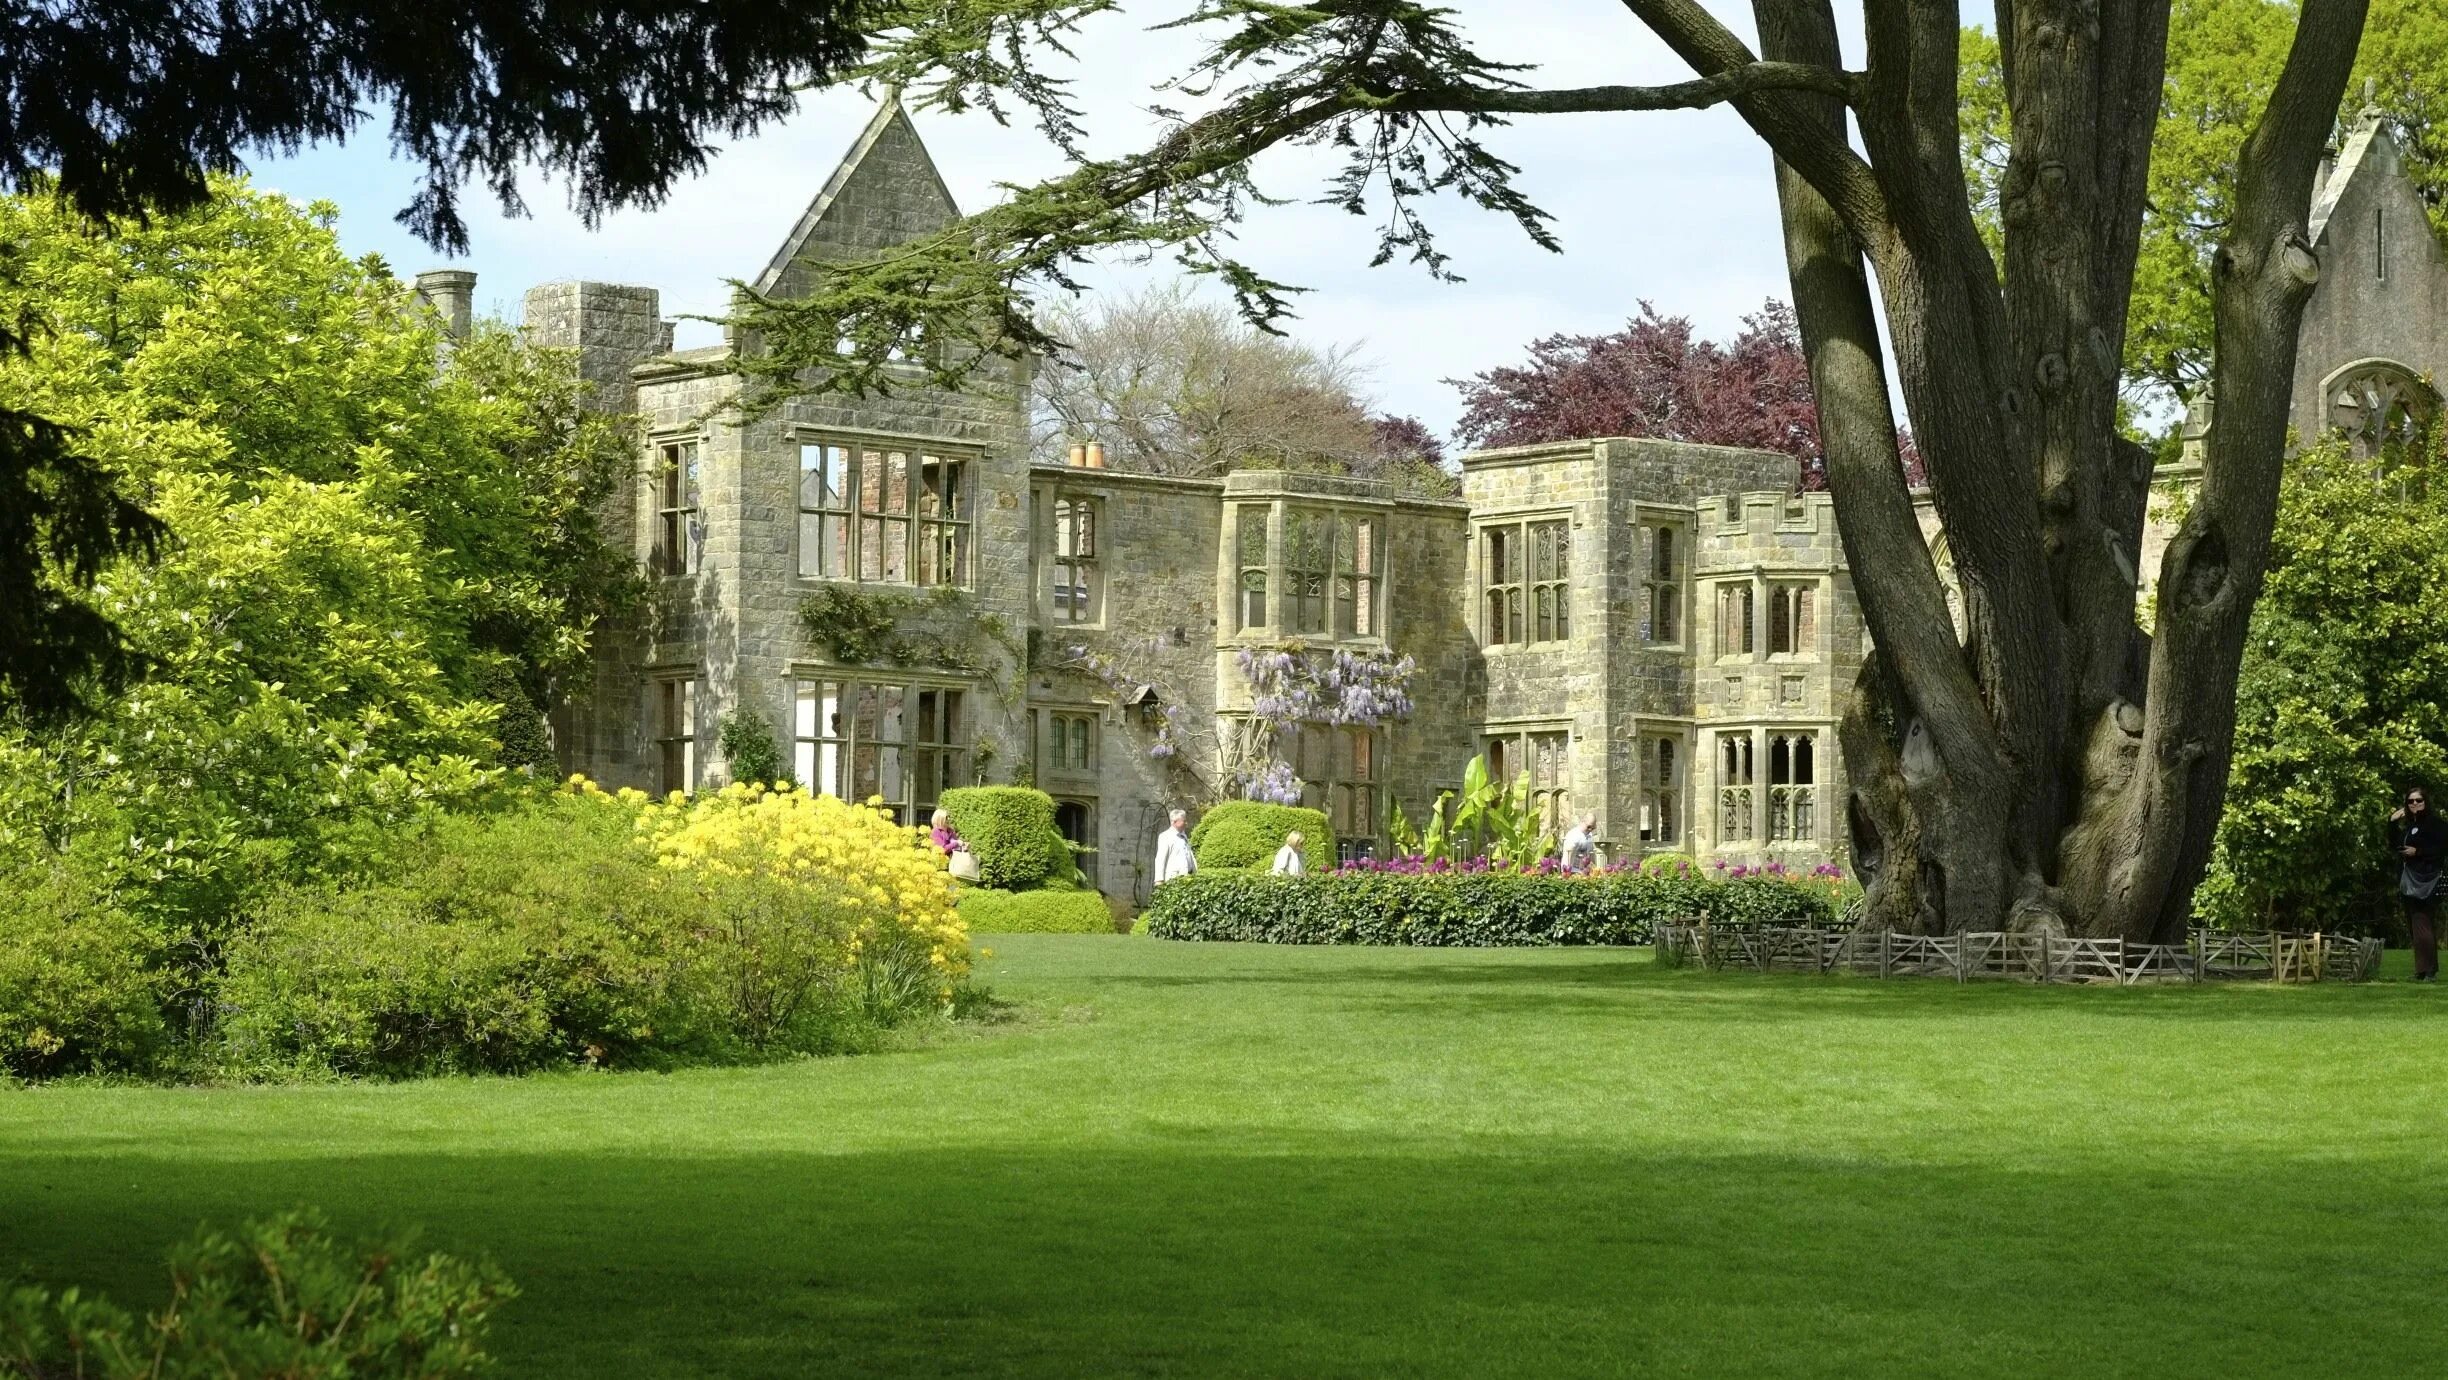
1629 981
1335 1256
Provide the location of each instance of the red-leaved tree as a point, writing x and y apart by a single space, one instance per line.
1655 377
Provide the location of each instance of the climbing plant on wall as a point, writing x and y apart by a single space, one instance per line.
1169 727
861 627
1291 685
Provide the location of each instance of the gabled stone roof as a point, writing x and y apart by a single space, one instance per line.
886 191
2359 154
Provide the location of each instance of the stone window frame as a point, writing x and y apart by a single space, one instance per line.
1358 578
1662 765
1734 752
1306 558
1346 785
1074 562
676 491
1662 587
1253 527
1794 606
926 762
1743 590
1544 747
1506 581
1066 726
1322 593
1550 579
1793 785
672 698
936 546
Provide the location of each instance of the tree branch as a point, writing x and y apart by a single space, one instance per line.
1731 84
1790 128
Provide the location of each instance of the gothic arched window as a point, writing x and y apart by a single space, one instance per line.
2376 404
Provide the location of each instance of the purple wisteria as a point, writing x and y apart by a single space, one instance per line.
1293 685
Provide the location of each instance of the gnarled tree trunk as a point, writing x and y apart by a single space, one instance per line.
2056 768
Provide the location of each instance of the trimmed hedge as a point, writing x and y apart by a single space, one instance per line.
987 911
1011 830
1470 910
1246 833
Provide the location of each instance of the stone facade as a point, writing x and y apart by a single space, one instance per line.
1082 628
1659 634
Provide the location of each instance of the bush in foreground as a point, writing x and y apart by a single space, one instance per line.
1474 909
591 929
1011 830
988 911
1246 833
278 1298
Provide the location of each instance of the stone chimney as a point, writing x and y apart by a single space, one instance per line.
451 292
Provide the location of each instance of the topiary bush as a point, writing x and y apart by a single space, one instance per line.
278 1298
987 911
1246 833
1011 830
1466 909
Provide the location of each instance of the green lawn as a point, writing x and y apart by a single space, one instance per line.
1194 1160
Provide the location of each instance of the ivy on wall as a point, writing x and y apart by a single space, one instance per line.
861 627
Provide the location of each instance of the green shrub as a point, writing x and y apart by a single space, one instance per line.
750 749
537 938
1011 830
987 911
1471 909
1246 833
278 1298
80 988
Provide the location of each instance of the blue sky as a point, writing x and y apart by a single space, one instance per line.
1674 207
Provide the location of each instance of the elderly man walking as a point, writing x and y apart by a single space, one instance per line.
1173 858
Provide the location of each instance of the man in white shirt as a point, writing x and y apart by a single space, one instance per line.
1580 848
1173 857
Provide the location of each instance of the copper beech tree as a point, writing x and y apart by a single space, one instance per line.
2058 765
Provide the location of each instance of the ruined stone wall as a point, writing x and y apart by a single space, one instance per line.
1766 543
1546 686
2383 289
1156 624
1428 619
613 328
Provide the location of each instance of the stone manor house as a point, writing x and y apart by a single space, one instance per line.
1657 632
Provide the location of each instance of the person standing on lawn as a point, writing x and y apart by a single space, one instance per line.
2420 839
1173 856
1288 860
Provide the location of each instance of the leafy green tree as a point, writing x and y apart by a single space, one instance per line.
2223 60
372 543
2341 702
124 109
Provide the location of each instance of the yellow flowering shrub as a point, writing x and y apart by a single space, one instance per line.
887 880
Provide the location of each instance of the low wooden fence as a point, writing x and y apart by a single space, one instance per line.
2212 955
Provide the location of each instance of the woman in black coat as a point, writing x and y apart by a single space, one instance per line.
2419 838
